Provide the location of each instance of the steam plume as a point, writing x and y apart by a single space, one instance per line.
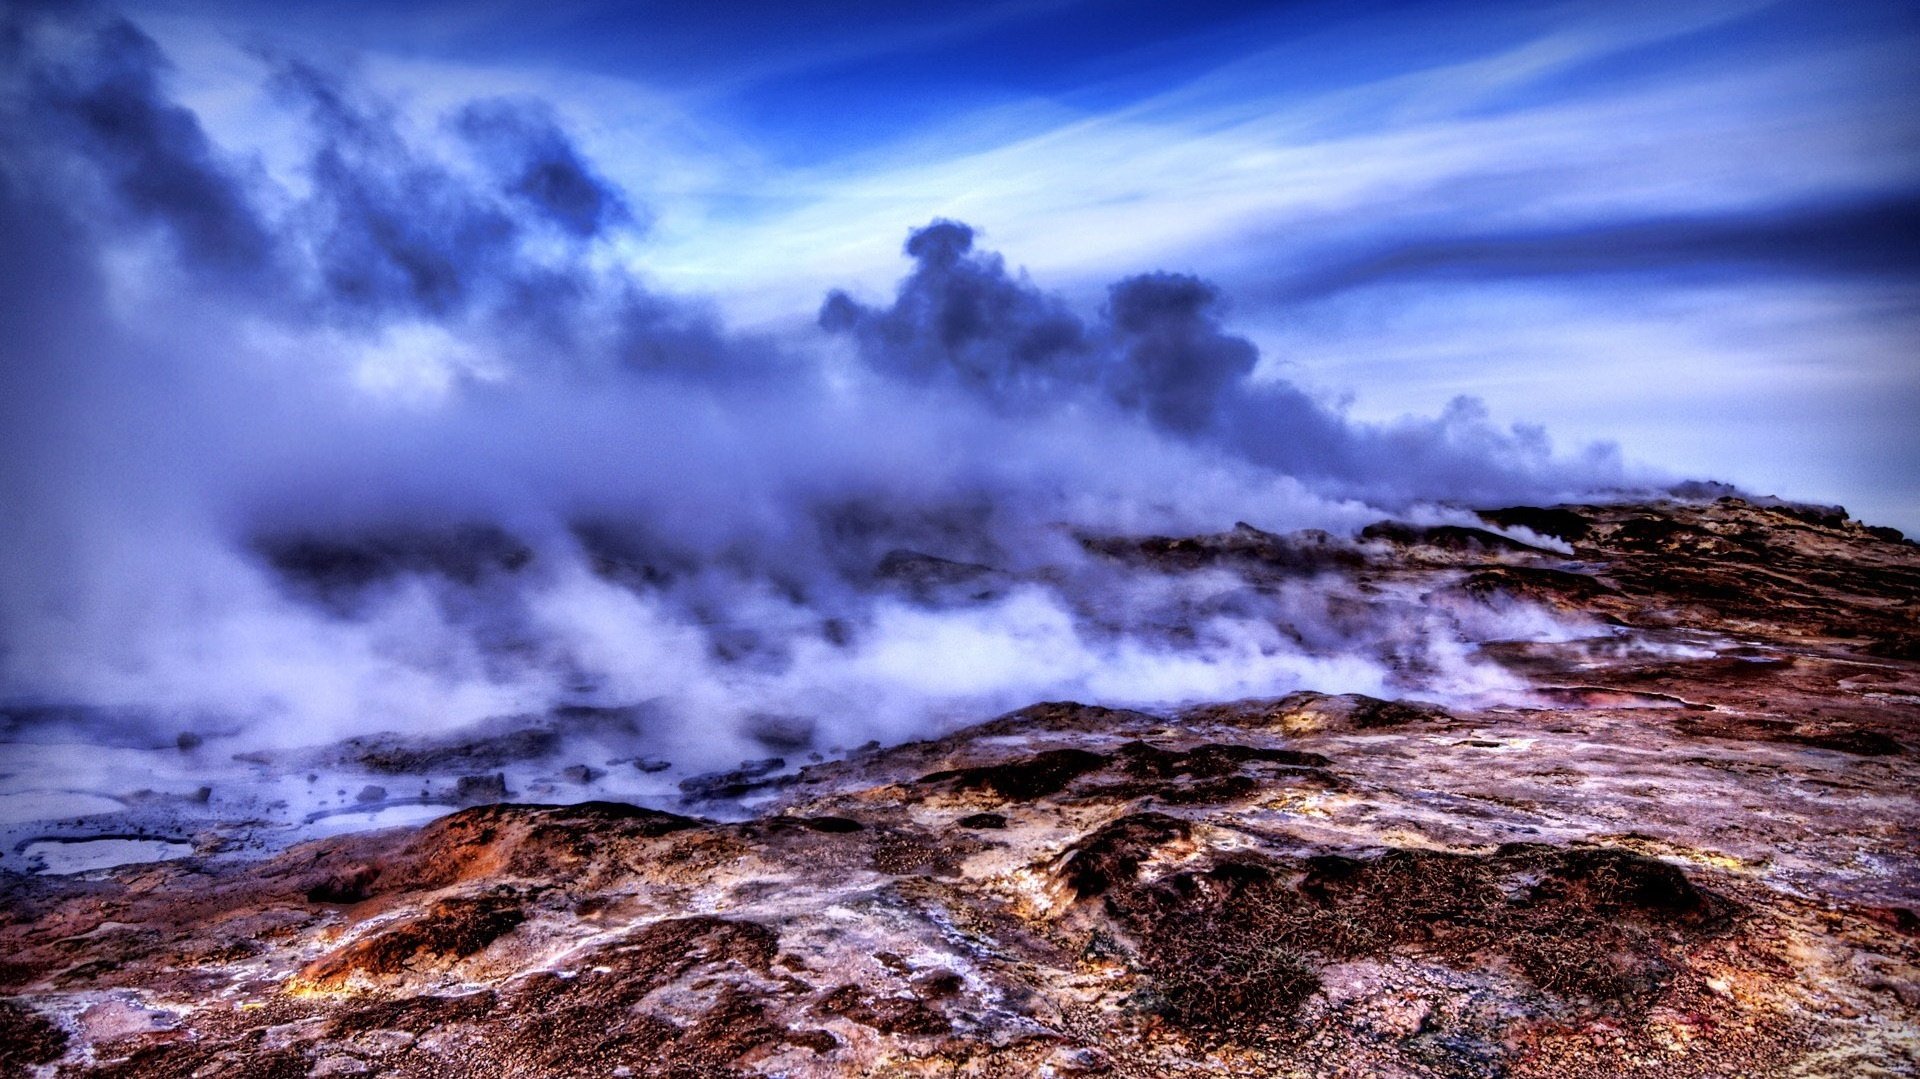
395 441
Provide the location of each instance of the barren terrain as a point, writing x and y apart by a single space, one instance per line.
1686 844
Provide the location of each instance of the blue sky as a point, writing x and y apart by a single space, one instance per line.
1687 227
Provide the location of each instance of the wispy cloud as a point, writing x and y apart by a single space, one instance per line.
1200 183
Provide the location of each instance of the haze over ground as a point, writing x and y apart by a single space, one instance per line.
325 326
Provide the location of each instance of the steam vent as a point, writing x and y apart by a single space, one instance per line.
1681 846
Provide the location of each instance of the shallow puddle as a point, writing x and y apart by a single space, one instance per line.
357 820
57 856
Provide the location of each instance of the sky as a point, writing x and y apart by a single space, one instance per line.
1686 227
374 362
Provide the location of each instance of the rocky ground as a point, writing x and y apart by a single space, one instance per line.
1685 845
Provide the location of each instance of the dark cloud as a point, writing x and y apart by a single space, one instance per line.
941 244
101 97
383 228
962 319
1176 363
1159 351
1876 235
534 161
395 230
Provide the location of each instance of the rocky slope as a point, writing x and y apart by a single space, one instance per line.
1684 845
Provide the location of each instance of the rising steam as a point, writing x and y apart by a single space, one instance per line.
392 439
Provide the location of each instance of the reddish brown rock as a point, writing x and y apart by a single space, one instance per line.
1683 844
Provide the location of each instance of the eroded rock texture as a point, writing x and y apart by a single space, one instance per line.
1685 847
